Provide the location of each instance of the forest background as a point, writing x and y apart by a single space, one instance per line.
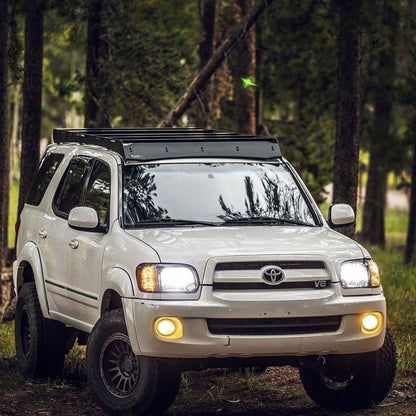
334 80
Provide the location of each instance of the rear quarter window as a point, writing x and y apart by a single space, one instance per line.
47 170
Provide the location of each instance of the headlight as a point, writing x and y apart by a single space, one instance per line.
168 278
360 274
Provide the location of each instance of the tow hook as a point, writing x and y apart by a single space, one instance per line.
321 360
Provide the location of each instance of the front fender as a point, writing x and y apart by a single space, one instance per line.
119 281
29 256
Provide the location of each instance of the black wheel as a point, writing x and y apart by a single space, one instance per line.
167 387
351 382
40 342
123 383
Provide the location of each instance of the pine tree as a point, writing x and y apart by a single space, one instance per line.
207 12
32 96
347 143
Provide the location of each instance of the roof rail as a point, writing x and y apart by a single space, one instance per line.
146 144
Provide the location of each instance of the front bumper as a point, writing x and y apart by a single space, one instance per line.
198 342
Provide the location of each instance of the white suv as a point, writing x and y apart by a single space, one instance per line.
174 249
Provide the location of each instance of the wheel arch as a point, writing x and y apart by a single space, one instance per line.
28 268
119 294
111 300
116 285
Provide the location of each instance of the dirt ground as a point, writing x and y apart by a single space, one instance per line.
277 391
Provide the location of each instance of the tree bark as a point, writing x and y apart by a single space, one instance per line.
4 130
245 95
32 97
95 114
347 141
214 62
382 137
208 11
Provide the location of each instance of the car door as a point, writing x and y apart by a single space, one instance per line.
56 234
86 247
73 257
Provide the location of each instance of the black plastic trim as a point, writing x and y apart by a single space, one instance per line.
146 144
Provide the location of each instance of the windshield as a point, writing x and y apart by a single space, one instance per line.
212 193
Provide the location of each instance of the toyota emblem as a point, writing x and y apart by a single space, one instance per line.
272 275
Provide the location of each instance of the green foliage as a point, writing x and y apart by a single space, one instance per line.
8 377
298 41
75 364
14 196
63 68
149 54
7 341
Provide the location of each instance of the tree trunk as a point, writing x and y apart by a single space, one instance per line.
208 11
4 130
214 62
347 141
382 137
96 114
32 97
245 68
410 252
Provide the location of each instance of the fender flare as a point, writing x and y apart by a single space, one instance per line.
29 254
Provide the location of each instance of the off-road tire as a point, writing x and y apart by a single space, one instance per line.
123 383
40 342
370 378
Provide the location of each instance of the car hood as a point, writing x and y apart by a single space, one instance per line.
196 245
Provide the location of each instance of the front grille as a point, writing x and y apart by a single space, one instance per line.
321 284
274 326
247 275
257 265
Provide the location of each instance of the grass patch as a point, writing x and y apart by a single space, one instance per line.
9 376
396 222
7 349
75 364
399 284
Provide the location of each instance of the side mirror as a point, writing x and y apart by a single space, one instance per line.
340 215
83 218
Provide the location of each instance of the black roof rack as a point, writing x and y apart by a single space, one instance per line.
146 144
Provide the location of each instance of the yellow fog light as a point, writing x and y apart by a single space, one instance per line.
168 328
371 323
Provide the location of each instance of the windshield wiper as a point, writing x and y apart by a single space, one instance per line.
175 221
265 220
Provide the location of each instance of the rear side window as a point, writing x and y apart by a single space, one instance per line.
72 186
47 169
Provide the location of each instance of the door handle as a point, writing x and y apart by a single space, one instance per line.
73 243
42 233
